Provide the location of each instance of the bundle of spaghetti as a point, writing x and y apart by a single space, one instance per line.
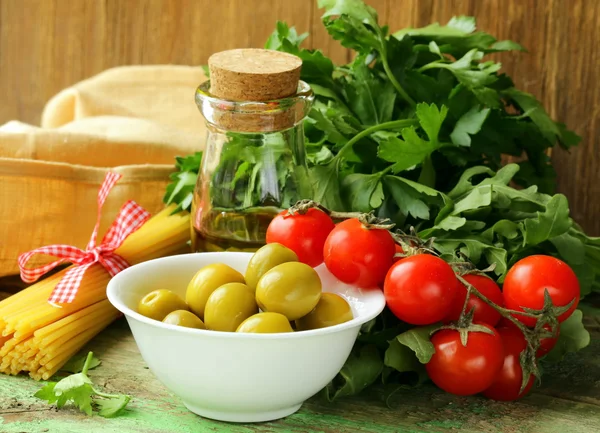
39 337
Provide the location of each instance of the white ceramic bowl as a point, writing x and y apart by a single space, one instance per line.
232 376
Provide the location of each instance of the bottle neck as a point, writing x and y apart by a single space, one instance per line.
254 117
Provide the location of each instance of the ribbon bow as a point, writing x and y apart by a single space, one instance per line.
130 218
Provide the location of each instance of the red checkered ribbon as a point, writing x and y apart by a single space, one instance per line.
130 218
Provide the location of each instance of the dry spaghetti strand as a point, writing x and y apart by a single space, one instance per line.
39 338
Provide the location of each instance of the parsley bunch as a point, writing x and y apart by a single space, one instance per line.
422 104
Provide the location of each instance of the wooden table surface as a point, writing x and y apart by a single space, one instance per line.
568 401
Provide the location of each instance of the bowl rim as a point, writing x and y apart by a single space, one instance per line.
130 313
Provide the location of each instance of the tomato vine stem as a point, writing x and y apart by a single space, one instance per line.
369 220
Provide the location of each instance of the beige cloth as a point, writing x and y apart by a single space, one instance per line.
132 120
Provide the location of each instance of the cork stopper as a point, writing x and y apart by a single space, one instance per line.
252 74
254 90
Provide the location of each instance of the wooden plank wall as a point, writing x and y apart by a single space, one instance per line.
46 45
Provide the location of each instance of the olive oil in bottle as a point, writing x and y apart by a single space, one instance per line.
254 161
232 231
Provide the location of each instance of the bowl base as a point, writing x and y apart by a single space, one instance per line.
243 417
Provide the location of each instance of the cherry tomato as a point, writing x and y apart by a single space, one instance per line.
546 344
507 384
465 370
420 289
483 312
358 255
303 234
527 280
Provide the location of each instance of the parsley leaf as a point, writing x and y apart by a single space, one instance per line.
554 221
47 393
417 340
78 389
360 370
352 34
80 394
109 408
475 77
356 9
183 182
412 198
326 185
533 109
469 124
413 150
459 36
365 191
316 68
370 98
281 33
403 154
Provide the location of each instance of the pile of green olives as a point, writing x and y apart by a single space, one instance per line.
277 294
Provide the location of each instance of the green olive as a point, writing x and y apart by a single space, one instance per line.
228 306
157 304
292 289
331 310
184 318
265 259
265 323
206 281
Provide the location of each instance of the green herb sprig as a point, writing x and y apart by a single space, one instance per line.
183 182
79 390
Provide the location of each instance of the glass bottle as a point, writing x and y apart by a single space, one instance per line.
253 167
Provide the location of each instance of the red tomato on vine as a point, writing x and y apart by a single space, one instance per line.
465 370
304 234
420 289
359 255
527 280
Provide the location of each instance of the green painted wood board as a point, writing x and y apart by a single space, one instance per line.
568 401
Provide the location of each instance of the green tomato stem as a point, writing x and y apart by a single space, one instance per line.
463 312
369 220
